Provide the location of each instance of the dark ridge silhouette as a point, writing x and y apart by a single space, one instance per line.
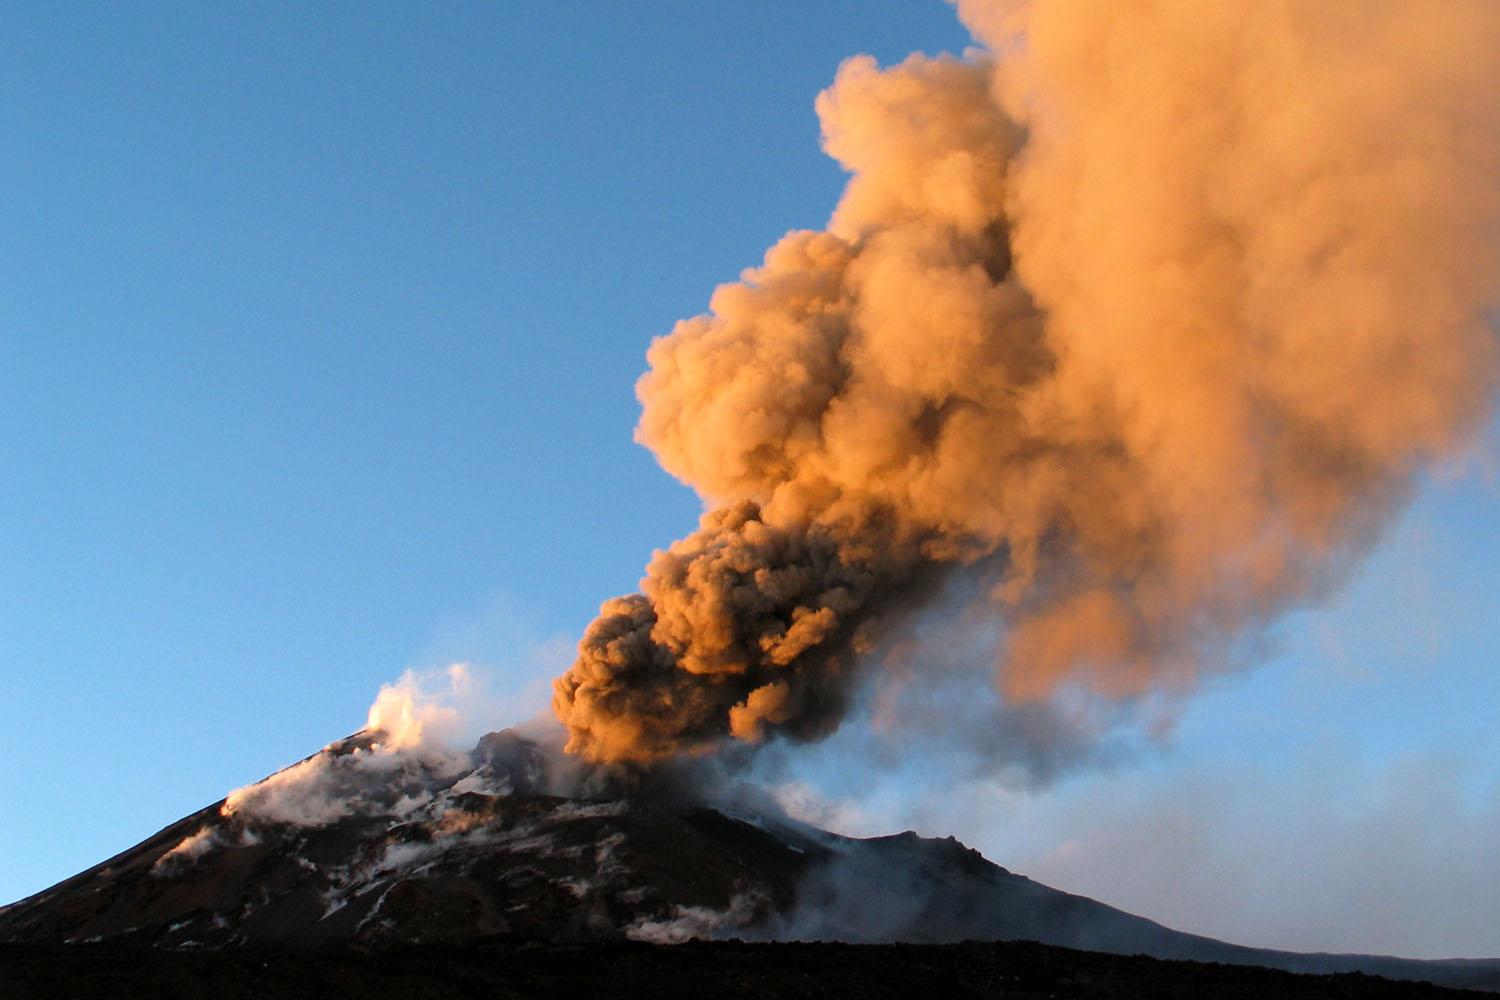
394 851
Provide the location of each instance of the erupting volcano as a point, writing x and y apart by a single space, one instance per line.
1133 328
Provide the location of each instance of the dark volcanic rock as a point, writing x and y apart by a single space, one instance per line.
508 970
425 854
359 846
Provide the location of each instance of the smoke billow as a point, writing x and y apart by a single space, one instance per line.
1155 308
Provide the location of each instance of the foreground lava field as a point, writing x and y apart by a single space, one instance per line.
505 969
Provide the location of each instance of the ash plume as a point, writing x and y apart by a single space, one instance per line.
1156 309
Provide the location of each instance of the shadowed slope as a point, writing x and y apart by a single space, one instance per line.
461 849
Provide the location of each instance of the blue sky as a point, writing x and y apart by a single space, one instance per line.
316 364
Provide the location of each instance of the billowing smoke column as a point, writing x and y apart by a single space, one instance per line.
1156 309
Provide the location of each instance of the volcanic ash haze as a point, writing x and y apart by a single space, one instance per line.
1150 311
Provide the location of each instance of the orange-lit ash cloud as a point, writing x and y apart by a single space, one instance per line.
1158 305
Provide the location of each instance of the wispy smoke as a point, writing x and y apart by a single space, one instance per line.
1154 309
411 713
414 746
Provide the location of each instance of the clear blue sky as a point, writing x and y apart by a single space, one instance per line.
317 345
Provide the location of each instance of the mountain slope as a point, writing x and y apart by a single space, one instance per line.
361 846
